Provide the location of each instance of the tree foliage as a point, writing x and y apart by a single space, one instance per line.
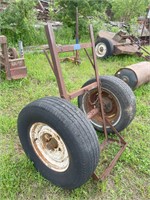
129 9
88 9
98 12
17 22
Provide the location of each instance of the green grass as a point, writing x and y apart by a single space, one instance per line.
18 178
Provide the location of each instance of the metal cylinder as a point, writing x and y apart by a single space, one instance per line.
135 75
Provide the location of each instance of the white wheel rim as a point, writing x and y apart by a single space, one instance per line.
49 147
101 50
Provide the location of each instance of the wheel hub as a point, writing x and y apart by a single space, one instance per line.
110 104
49 147
49 142
101 49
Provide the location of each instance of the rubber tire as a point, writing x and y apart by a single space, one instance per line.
128 76
123 94
76 132
109 47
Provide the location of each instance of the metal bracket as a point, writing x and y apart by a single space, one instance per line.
55 65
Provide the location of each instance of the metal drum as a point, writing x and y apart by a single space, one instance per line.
135 75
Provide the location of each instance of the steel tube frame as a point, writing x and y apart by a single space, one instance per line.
55 65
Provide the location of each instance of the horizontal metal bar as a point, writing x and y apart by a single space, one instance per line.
67 48
16 60
82 90
124 44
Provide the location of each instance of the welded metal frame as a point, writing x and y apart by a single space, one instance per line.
55 65
4 59
14 67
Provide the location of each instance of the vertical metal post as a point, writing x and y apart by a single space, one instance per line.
77 34
98 81
21 52
55 60
148 19
6 59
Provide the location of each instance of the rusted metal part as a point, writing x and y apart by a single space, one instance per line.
55 64
5 61
49 147
110 106
55 61
145 37
72 47
111 165
121 42
12 53
135 75
82 90
107 141
147 56
13 66
98 83
49 60
126 49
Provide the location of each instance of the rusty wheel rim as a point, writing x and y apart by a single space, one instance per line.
49 147
111 105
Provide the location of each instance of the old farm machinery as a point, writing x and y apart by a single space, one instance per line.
135 75
60 138
144 28
13 66
122 42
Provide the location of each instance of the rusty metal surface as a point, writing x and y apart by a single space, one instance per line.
108 35
135 75
68 48
55 65
18 73
82 90
12 53
110 106
126 49
14 68
55 61
121 42
145 32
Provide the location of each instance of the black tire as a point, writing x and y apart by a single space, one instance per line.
46 124
103 48
118 99
128 76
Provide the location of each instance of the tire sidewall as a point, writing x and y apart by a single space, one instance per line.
108 44
122 99
33 115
